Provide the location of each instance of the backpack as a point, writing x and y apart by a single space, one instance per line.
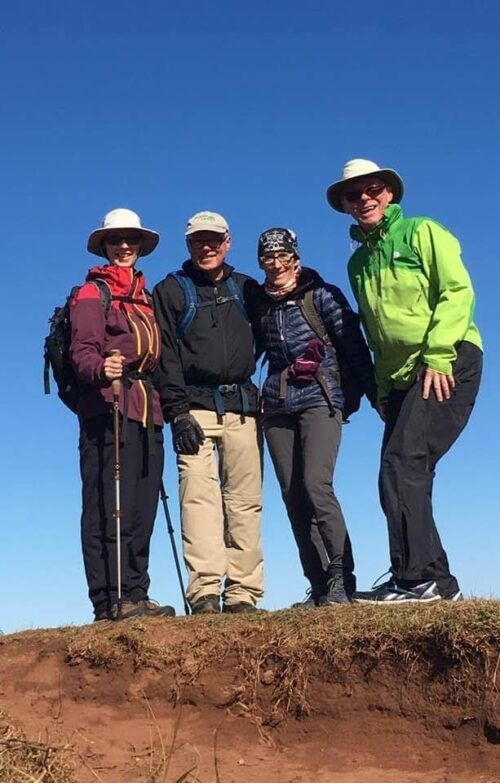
351 388
192 305
57 348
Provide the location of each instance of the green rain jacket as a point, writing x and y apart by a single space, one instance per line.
415 297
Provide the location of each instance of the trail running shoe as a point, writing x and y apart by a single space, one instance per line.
389 593
336 592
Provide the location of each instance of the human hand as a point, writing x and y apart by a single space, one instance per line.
113 366
442 385
187 434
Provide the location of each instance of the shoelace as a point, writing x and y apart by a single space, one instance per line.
389 583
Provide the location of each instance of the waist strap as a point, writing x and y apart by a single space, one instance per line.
227 388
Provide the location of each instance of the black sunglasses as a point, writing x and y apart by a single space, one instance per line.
371 190
119 239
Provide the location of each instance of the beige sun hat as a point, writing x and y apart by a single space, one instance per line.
121 220
207 221
354 169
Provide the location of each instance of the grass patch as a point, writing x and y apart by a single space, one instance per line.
24 760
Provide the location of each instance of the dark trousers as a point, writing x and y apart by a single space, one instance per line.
303 448
417 434
140 477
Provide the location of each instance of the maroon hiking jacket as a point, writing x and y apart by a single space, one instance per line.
129 327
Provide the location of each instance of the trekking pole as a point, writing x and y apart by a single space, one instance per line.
115 386
164 498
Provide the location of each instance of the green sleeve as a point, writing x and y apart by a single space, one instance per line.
450 293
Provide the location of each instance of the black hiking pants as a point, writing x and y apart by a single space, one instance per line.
139 491
303 448
417 434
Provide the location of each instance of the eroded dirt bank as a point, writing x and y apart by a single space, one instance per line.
352 695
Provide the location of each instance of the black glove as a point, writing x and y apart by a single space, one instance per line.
187 434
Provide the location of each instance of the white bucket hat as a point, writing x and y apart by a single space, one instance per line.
354 169
207 221
121 220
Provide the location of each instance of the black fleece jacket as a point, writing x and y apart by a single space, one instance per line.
217 349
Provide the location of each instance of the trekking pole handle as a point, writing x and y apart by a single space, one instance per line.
115 385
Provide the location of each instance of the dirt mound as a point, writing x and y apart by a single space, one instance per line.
354 694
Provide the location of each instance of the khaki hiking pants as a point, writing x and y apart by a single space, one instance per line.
220 491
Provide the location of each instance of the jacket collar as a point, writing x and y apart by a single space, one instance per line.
124 281
391 215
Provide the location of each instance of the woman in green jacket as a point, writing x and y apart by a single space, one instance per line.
416 303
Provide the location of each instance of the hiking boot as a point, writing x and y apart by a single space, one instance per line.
336 592
103 614
239 608
390 593
310 600
154 609
208 604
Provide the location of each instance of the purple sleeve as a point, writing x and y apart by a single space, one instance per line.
87 335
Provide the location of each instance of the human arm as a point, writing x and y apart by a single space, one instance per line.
168 302
451 298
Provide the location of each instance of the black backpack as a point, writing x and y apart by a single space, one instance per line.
57 344
351 388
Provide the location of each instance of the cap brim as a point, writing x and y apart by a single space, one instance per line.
149 239
389 176
195 229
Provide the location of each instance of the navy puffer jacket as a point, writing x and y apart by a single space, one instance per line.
284 334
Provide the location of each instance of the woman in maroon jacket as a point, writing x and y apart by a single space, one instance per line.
111 313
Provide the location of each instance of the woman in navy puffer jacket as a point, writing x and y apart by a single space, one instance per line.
303 404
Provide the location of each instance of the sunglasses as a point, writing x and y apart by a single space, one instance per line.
119 239
285 259
210 241
371 190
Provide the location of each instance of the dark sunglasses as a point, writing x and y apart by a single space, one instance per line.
119 239
372 190
211 242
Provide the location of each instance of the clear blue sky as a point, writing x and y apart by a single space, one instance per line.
248 109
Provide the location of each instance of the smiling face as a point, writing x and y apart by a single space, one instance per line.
123 249
279 267
208 251
366 199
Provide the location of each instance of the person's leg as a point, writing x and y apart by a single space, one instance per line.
201 512
418 433
149 470
240 468
320 436
98 524
283 441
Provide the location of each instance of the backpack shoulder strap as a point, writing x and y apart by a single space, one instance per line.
313 318
235 294
190 299
104 293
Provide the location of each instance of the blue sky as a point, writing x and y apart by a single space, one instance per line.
250 110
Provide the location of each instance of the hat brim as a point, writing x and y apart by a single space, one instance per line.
389 176
149 239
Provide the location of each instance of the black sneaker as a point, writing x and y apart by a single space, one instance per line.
239 608
103 614
310 601
457 596
336 592
390 593
208 604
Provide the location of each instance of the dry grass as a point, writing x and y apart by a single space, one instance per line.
24 760
279 652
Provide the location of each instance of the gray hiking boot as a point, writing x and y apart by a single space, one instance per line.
240 608
336 592
310 601
143 608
